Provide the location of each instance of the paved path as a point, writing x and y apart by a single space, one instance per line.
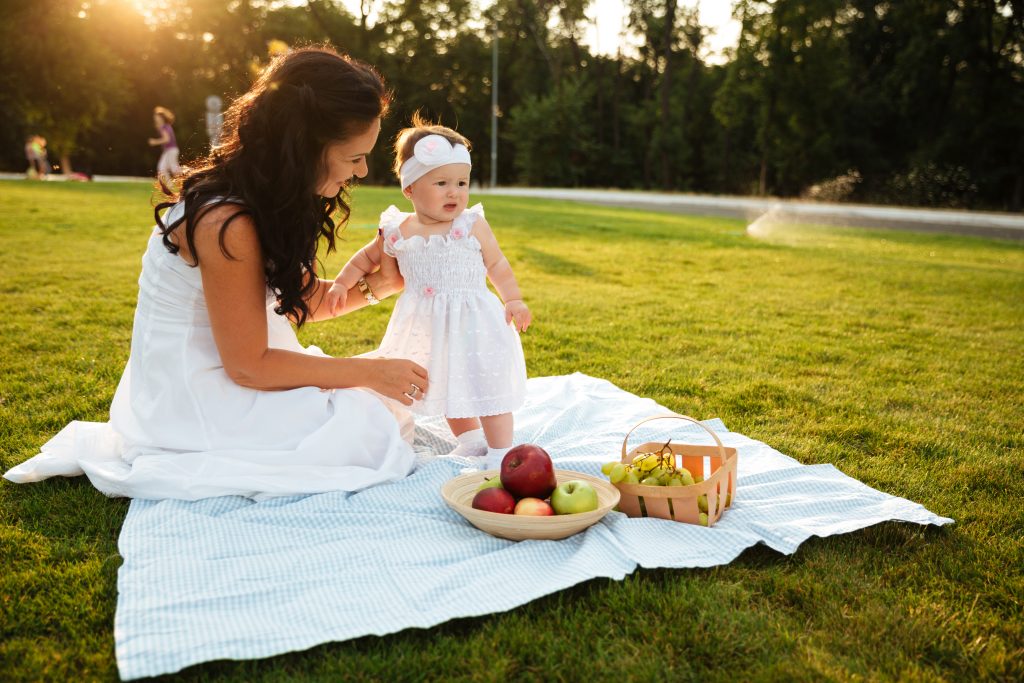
980 223
985 224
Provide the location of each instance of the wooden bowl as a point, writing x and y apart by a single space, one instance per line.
459 493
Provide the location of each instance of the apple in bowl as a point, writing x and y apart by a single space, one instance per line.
527 472
534 506
494 500
573 497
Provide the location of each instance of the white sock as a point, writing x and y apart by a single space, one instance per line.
494 457
472 444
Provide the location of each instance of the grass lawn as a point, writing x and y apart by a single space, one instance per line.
895 356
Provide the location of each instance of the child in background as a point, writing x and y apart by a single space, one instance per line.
35 154
167 167
446 319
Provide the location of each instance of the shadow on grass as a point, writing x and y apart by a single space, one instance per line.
554 265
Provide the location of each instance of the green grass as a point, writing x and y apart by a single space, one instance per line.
895 356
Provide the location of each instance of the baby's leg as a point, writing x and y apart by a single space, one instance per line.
470 436
498 429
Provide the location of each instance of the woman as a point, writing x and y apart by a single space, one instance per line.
218 396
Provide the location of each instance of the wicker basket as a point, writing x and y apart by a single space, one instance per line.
681 503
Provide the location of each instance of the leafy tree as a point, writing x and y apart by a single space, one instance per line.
64 86
916 101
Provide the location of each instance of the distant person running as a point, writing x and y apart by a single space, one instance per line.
167 167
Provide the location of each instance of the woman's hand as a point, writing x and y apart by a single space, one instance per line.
399 379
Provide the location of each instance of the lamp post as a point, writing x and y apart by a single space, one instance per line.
494 107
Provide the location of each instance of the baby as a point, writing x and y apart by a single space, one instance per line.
447 320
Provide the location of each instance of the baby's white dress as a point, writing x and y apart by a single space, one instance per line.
448 321
181 428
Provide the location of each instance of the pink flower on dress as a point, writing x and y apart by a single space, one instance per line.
428 291
392 238
457 234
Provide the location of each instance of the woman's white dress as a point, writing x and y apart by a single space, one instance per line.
181 428
450 323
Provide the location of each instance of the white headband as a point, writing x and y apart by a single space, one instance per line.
430 152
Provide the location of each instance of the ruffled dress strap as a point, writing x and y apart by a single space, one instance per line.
463 224
389 226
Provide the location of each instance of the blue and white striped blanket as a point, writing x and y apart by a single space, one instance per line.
230 578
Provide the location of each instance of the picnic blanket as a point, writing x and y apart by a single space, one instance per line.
231 578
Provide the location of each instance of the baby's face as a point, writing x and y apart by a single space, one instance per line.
442 194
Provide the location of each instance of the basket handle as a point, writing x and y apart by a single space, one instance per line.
721 447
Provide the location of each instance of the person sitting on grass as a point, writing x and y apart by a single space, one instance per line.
218 396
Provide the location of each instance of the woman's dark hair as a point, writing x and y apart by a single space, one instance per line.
270 158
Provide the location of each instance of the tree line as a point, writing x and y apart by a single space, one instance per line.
917 102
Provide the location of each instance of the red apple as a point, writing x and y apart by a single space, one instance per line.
495 500
534 506
527 472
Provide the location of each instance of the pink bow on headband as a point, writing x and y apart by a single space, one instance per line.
435 150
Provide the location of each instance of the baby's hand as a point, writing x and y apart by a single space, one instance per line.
337 295
517 311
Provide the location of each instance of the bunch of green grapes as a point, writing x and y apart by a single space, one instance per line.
650 469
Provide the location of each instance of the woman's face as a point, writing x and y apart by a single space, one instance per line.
346 158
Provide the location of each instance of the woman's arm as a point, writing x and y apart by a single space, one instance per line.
235 291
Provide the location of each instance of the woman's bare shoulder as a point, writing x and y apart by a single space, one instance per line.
227 227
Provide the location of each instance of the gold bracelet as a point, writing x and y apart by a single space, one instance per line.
364 287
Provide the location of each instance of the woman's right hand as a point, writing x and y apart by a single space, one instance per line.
399 379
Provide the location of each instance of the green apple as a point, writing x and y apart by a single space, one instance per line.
492 483
574 497
702 503
702 519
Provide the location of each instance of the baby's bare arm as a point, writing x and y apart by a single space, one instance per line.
499 271
362 262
